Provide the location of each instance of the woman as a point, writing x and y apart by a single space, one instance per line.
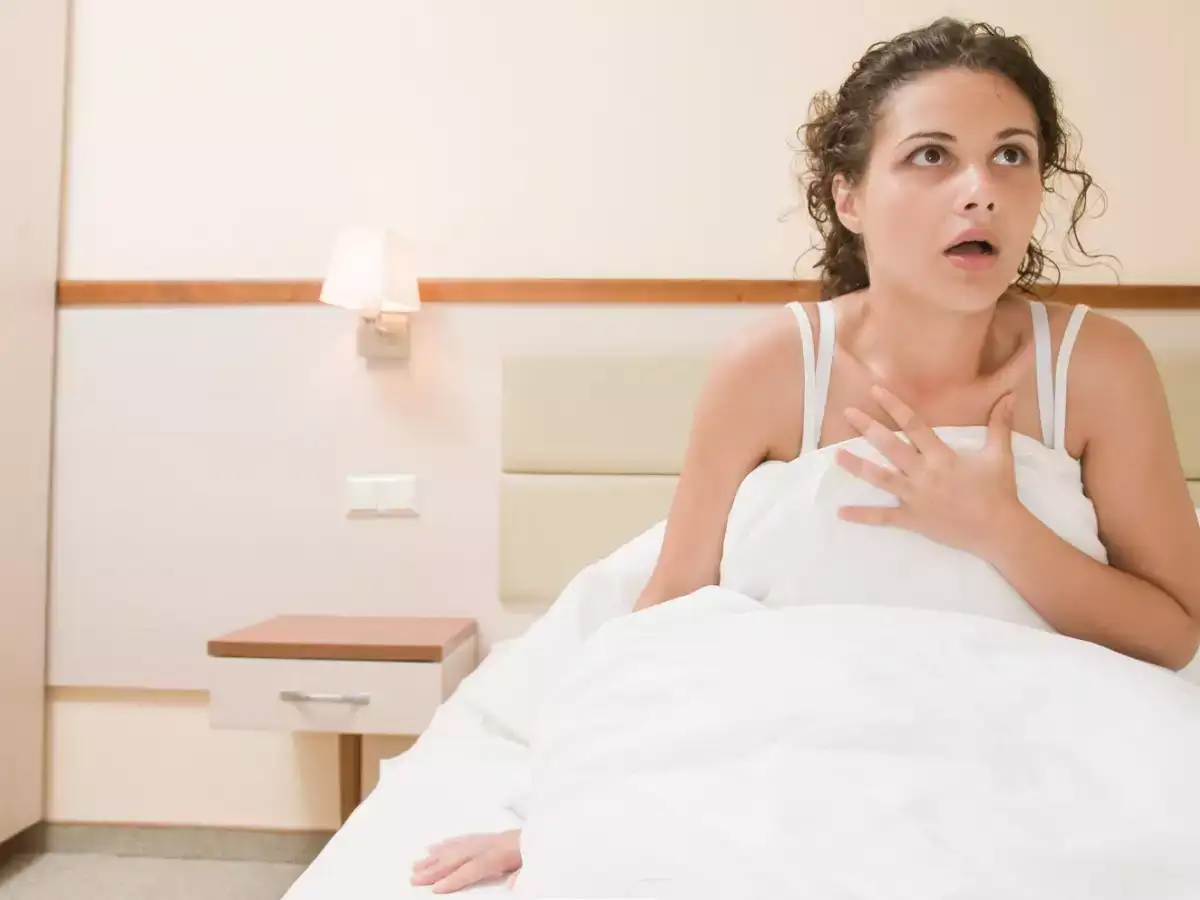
926 175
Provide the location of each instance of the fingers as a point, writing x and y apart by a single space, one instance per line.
472 871
873 515
885 479
899 452
443 858
923 437
460 862
436 868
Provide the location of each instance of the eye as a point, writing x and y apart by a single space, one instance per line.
1012 155
928 156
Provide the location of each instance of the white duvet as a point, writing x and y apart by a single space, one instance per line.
713 747
853 714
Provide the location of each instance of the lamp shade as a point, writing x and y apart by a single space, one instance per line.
371 270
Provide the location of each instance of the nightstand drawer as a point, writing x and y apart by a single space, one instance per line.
340 696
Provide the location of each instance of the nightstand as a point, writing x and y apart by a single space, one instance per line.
346 675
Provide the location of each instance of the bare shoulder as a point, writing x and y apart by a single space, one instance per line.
759 373
1112 374
761 351
1108 354
771 337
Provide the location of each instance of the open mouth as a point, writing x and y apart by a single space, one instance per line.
972 248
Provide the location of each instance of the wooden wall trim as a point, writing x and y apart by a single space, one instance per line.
562 290
447 290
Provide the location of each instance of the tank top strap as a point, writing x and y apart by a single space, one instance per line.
807 441
1045 369
1060 376
818 364
827 319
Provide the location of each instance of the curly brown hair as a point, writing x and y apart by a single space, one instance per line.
838 136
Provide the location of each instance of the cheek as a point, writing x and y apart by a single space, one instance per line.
903 216
1022 186
1024 203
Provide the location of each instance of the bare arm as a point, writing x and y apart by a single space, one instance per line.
1146 602
744 414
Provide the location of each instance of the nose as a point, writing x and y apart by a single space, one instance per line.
978 190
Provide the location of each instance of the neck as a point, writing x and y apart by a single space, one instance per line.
907 340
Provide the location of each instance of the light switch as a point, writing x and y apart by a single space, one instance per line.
397 495
360 495
381 495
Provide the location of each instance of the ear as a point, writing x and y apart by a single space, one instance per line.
845 201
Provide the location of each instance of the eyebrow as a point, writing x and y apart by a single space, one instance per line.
944 136
929 135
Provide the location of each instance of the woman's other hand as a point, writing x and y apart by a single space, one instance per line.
957 499
469 859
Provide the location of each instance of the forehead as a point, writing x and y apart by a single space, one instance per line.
958 101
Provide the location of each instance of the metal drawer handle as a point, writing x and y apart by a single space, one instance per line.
306 697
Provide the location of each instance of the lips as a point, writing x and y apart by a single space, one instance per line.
973 247
973 250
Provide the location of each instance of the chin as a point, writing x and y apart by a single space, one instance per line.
975 291
976 297
962 299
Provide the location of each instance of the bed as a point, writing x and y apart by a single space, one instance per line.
591 449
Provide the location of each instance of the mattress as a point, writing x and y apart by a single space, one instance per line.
459 778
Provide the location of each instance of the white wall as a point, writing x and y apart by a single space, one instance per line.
222 139
229 138
201 463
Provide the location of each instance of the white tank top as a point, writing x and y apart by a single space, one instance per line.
840 562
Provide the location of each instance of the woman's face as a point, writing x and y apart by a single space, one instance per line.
954 157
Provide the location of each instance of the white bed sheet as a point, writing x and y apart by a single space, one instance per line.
460 777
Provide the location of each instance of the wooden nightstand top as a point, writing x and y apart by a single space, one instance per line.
373 638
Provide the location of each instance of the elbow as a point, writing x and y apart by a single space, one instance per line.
665 585
1182 652
653 594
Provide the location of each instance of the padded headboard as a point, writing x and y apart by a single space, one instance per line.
592 447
